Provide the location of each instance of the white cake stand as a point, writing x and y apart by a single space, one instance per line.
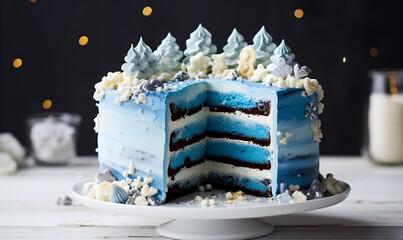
222 221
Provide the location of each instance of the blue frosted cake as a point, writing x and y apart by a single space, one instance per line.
245 119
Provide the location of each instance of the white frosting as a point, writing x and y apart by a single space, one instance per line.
235 141
225 168
181 123
186 173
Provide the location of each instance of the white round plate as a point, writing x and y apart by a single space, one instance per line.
224 221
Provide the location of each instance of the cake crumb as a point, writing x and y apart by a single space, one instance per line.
257 200
125 174
228 195
229 202
198 199
241 198
293 188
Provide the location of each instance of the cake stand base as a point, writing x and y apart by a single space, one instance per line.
215 229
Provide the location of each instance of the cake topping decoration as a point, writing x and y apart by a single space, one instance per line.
233 75
106 176
149 86
141 201
118 194
301 72
262 43
282 68
169 55
310 111
259 73
199 41
235 44
247 59
198 65
219 65
180 76
282 51
148 191
140 62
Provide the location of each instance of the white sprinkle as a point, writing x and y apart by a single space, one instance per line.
96 149
122 148
148 171
212 202
198 199
204 202
140 110
146 128
201 189
131 168
209 187
125 174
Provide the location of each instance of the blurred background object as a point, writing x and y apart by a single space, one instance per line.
385 117
52 137
53 52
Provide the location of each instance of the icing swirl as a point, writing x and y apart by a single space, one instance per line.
263 46
169 55
235 44
199 41
140 62
282 51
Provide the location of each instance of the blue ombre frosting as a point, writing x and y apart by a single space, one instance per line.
141 133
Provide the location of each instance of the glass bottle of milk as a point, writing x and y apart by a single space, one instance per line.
385 117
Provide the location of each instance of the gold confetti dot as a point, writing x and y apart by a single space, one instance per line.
17 63
298 13
47 104
147 11
32 1
344 59
373 52
83 40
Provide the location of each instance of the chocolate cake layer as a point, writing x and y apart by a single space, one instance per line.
178 112
176 190
262 108
187 164
239 163
227 183
182 143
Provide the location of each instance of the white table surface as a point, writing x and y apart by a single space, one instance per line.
28 209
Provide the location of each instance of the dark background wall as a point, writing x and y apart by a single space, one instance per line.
45 33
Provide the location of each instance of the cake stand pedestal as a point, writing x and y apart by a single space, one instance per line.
215 229
222 221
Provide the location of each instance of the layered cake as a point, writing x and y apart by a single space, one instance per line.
171 121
